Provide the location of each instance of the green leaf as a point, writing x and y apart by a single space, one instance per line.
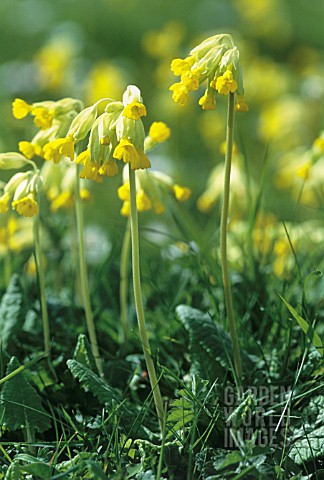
32 466
12 311
305 326
210 346
311 446
83 353
308 440
91 382
20 404
185 409
232 458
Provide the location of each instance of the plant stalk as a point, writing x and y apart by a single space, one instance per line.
223 236
139 302
84 277
41 283
123 285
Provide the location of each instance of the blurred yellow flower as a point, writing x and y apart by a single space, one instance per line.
54 61
159 132
104 80
163 43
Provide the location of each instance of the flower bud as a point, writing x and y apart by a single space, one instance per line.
12 160
82 123
16 180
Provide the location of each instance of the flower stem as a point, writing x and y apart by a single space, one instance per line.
41 283
223 236
84 277
123 286
139 302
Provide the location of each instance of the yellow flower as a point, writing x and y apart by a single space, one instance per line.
30 149
143 202
91 172
125 210
124 192
51 153
134 110
126 151
181 193
208 100
180 66
226 83
61 146
304 170
108 168
159 132
180 93
191 79
319 144
83 158
63 200
205 62
4 200
240 104
222 149
26 206
43 118
85 194
20 108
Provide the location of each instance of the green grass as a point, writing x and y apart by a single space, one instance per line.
108 428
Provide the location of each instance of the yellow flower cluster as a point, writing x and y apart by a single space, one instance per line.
53 119
216 61
115 134
22 188
151 187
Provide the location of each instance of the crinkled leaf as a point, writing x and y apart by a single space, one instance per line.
12 311
308 440
83 353
91 382
20 404
148 475
210 346
311 446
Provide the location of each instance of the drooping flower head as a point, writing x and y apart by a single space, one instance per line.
115 134
22 188
53 120
216 61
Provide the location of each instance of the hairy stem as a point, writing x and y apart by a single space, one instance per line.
139 302
223 236
41 283
84 277
123 286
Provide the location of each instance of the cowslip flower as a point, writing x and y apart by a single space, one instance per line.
53 120
115 134
26 206
151 188
216 61
22 187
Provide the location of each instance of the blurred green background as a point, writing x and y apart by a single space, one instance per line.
86 49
